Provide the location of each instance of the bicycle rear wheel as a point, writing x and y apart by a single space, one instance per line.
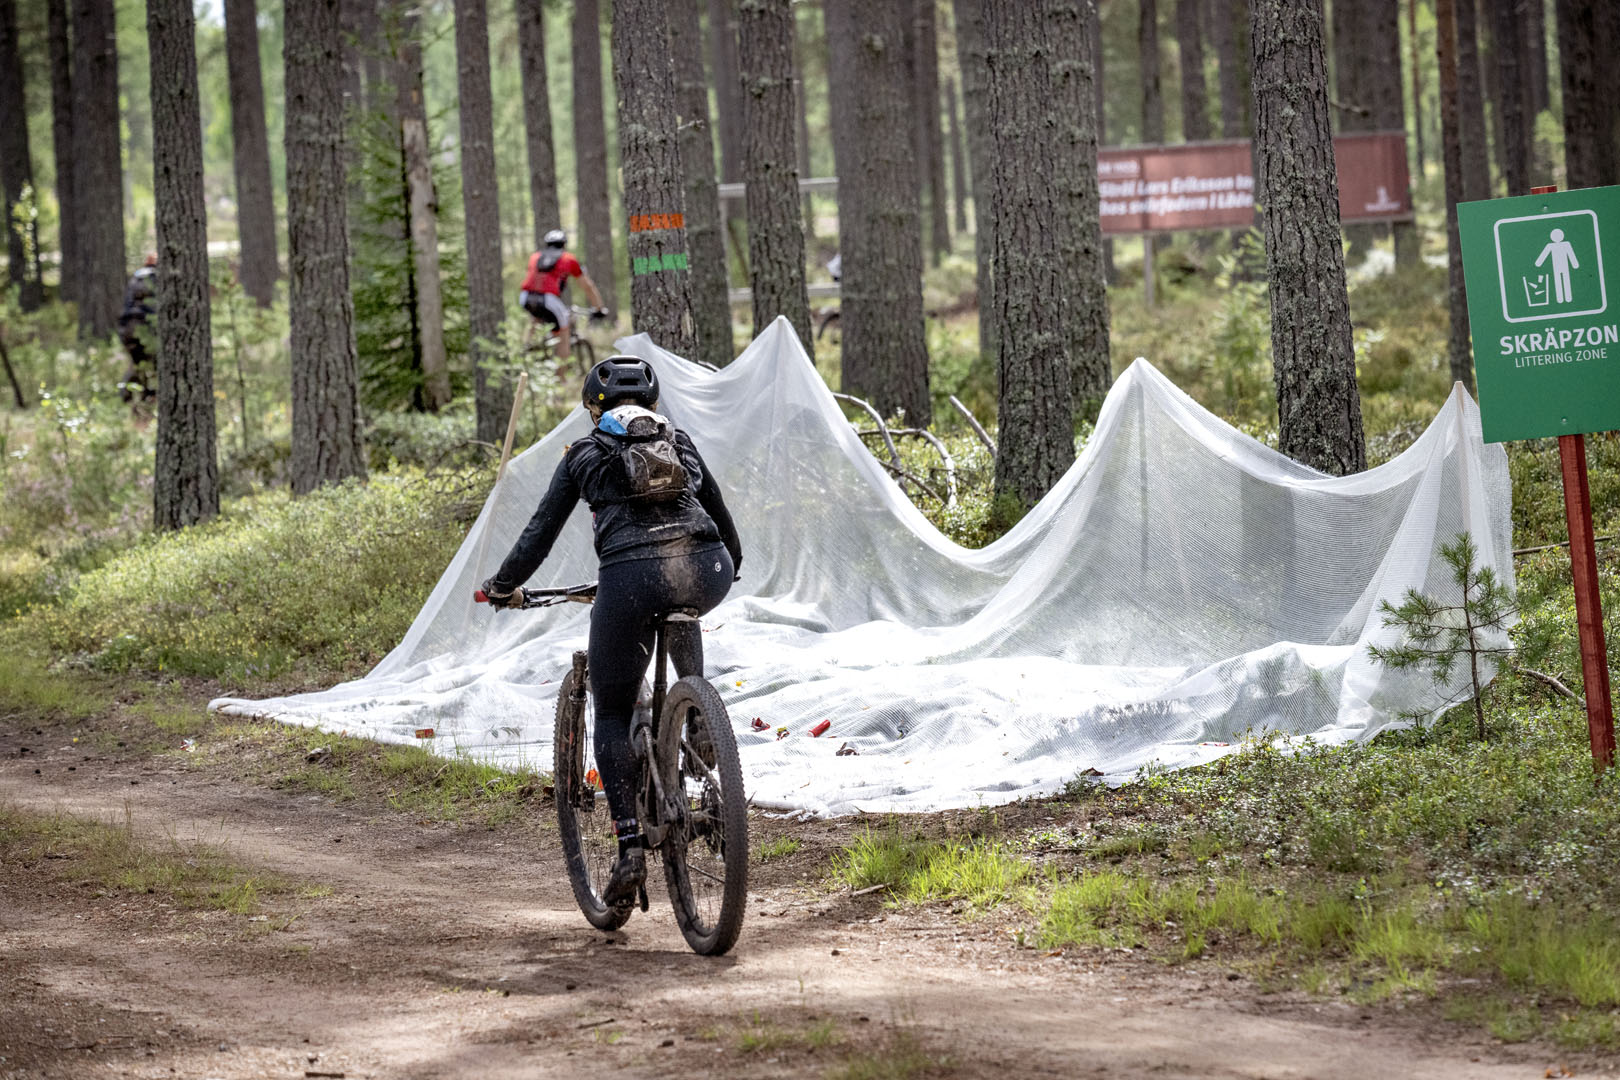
706 858
584 354
588 841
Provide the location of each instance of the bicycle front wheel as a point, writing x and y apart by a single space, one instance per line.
588 841
584 354
706 857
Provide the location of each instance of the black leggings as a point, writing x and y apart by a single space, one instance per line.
628 596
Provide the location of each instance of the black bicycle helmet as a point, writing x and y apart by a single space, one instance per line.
619 379
556 238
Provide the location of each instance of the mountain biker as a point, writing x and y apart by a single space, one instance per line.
133 331
542 292
664 540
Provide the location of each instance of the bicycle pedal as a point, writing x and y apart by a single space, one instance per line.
641 891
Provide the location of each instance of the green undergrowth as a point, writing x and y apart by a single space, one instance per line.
111 859
324 584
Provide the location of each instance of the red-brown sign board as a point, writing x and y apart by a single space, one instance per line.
1210 185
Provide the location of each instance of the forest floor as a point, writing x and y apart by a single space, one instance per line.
220 922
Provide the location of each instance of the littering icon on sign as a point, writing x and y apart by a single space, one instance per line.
1536 291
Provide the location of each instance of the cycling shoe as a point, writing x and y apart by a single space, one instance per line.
624 884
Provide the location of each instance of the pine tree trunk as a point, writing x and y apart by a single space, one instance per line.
959 178
1073 97
650 153
1508 24
1233 76
884 355
1476 150
976 111
326 438
590 151
67 213
98 177
17 168
1589 152
705 240
531 31
1353 94
185 486
1318 405
1194 91
775 231
423 212
1535 57
1098 83
1417 82
1147 44
1445 47
1388 103
728 99
250 149
1035 377
933 140
481 207
801 102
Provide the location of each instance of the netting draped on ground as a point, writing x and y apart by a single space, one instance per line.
1181 585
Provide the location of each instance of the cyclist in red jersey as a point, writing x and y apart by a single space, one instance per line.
542 292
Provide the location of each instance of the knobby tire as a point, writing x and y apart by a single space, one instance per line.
706 861
588 842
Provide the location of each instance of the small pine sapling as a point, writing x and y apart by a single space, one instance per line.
1435 635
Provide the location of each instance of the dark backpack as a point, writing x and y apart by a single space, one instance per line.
549 258
650 462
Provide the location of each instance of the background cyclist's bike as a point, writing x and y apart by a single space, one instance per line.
582 351
689 795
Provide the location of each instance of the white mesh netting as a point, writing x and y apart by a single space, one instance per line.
1181 585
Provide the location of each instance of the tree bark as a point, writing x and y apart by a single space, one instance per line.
1445 47
481 207
1147 42
775 232
250 151
650 156
1417 82
1194 91
801 102
423 210
705 240
1535 57
1353 93
1094 34
590 151
1073 97
531 32
932 163
1383 28
728 97
67 212
185 487
1589 152
884 356
17 168
98 177
1318 405
1476 150
959 178
1508 30
976 111
326 438
1034 377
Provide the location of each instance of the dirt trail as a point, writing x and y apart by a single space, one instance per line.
449 953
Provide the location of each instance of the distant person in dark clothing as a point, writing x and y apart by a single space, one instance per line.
138 336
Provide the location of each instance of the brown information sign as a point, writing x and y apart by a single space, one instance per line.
1210 185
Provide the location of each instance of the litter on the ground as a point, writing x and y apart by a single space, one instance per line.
846 750
760 725
424 733
820 729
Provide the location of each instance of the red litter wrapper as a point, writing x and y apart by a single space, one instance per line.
759 725
424 733
820 729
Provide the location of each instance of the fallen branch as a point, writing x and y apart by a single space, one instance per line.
1561 544
872 888
945 455
900 473
11 374
978 428
1550 681
894 455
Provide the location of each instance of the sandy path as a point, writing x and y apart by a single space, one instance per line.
448 953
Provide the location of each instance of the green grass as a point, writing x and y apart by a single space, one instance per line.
916 870
763 1035
904 1058
113 859
779 848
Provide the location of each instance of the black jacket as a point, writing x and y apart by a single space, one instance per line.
590 469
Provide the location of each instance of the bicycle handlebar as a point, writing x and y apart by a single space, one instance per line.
535 598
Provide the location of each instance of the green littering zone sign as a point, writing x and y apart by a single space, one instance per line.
1543 276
